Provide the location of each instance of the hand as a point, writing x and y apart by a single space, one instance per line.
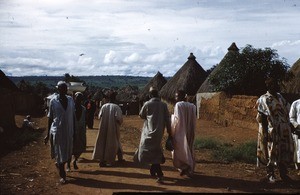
46 139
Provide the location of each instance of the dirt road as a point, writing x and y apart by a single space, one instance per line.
31 171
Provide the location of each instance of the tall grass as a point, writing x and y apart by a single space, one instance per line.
225 152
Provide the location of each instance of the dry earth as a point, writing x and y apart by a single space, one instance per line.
31 171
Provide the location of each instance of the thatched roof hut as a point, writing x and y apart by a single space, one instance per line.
293 86
189 78
158 81
7 112
6 83
206 86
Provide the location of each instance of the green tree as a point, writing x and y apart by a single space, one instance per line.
244 72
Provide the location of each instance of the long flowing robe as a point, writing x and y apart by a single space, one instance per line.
156 117
183 123
275 144
108 139
295 120
62 128
79 145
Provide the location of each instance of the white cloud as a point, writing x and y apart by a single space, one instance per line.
110 57
135 57
286 43
138 37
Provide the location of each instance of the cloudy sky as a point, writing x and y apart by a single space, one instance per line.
138 38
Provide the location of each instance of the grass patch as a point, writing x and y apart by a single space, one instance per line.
206 143
225 152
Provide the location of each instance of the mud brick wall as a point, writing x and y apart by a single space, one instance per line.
236 111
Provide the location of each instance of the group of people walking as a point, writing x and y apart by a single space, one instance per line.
277 146
67 128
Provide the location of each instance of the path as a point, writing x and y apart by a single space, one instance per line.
31 171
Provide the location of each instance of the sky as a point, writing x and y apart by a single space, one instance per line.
138 38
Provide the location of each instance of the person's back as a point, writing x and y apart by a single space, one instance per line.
183 125
295 121
156 116
155 113
108 143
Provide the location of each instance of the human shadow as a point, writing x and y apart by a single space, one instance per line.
206 181
92 183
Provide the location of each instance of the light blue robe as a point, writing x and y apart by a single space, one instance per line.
62 129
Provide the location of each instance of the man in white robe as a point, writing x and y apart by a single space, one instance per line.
108 144
295 120
150 151
183 123
61 128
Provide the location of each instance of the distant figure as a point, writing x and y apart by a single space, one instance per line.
126 109
295 121
183 124
28 124
275 144
90 106
61 128
79 143
150 151
108 144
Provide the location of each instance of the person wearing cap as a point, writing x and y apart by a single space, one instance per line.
79 143
156 118
183 124
295 121
108 144
275 143
61 128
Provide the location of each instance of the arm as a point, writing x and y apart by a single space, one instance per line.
50 120
46 139
168 121
293 115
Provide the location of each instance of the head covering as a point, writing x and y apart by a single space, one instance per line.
78 94
61 83
153 92
28 117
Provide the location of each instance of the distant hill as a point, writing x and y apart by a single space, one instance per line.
91 81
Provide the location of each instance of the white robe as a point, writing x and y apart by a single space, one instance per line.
62 129
183 125
295 120
108 139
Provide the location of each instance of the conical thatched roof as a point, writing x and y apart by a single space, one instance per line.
206 86
158 81
189 78
6 83
293 86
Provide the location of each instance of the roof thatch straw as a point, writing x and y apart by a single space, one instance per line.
206 85
293 86
189 78
158 81
6 83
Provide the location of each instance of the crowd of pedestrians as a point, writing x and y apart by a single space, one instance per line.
277 147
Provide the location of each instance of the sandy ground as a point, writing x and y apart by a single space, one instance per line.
31 171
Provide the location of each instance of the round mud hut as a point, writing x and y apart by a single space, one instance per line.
158 81
206 86
189 78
